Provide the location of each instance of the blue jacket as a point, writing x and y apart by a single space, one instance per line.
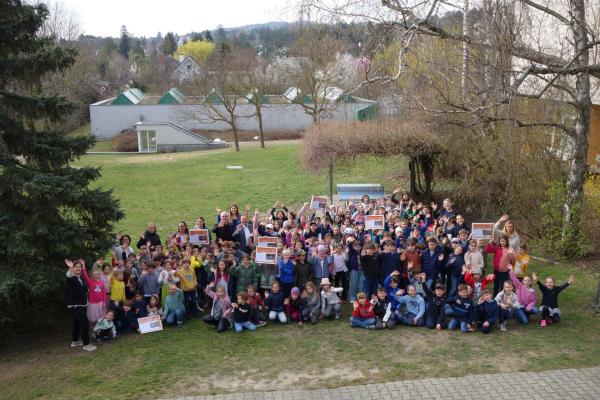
490 311
390 262
275 301
429 263
454 264
462 309
391 292
286 271
414 305
318 271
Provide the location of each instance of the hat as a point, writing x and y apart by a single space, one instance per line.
295 291
439 286
269 226
325 281
348 231
477 271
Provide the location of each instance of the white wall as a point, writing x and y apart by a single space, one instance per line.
108 120
166 134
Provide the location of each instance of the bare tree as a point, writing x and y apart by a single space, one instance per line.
62 24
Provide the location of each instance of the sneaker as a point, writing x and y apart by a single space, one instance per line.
77 343
179 324
261 323
370 326
337 317
89 347
503 327
543 323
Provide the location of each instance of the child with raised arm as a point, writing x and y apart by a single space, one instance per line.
221 308
363 315
382 308
549 309
486 312
274 301
525 293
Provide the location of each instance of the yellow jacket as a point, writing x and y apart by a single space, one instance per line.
117 289
187 279
521 265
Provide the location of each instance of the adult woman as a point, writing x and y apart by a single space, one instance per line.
514 241
124 249
77 302
149 238
183 235
201 224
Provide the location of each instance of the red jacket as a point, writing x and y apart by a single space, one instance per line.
364 312
471 282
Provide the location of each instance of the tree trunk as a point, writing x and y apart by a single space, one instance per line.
331 182
413 178
235 133
578 164
261 136
465 53
427 165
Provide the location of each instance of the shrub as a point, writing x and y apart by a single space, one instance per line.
126 141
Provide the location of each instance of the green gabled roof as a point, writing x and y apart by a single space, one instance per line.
262 99
346 98
173 96
131 96
213 98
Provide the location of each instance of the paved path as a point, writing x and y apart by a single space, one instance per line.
549 385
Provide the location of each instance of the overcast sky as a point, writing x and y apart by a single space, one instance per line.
147 17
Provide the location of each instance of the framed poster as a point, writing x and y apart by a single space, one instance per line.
374 221
150 324
199 236
482 230
266 255
267 241
318 203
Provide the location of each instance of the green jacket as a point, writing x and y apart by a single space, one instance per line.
103 323
173 302
245 276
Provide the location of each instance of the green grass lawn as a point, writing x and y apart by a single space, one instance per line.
195 360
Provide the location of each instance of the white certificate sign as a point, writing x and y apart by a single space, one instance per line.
266 255
267 241
374 222
318 203
482 230
150 324
199 236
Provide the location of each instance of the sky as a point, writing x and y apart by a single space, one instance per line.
148 17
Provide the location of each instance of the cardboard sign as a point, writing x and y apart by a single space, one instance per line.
150 324
199 236
266 255
318 203
267 241
374 222
482 230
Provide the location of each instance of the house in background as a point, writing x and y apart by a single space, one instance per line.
169 137
187 69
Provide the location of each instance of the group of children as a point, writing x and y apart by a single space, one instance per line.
421 269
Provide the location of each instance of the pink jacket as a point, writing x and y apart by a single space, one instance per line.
97 292
502 257
225 303
526 297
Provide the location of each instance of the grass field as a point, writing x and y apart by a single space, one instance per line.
196 360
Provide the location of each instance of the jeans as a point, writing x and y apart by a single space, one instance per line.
534 310
362 322
356 283
408 319
370 286
313 315
453 285
191 301
431 322
175 315
239 326
517 314
429 282
278 315
81 325
464 327
222 324
331 308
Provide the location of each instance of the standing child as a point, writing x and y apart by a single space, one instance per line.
312 303
187 279
303 270
549 309
462 310
167 277
97 301
221 308
104 328
363 315
454 267
330 300
509 306
148 282
522 263
340 269
503 257
274 302
242 313
473 257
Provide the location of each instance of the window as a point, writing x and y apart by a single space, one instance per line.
147 141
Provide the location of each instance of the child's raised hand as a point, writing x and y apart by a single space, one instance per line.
211 285
355 305
491 277
441 257
286 301
571 279
534 277
234 305
69 263
395 273
266 294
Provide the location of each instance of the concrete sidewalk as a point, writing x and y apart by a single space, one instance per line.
548 385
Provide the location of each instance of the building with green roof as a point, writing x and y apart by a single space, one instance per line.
173 96
129 97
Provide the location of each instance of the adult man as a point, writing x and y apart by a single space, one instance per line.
243 235
224 229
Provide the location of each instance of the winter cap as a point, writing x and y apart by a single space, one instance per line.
295 291
325 281
269 226
477 271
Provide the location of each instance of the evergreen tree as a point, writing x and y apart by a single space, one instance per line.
47 210
124 43
221 35
196 37
208 36
169 44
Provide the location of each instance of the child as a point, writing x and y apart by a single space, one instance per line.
303 270
462 310
221 308
473 257
435 317
382 308
152 307
148 282
274 303
415 307
117 295
286 273
486 312
294 305
97 300
474 279
257 305
370 262
242 313
167 277
503 257
454 266
330 301
522 262
220 276
363 315
187 279
245 274
340 270
105 329
312 303
509 305
173 307
549 308
140 306
525 293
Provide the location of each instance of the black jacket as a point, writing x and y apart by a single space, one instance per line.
153 238
224 232
77 291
